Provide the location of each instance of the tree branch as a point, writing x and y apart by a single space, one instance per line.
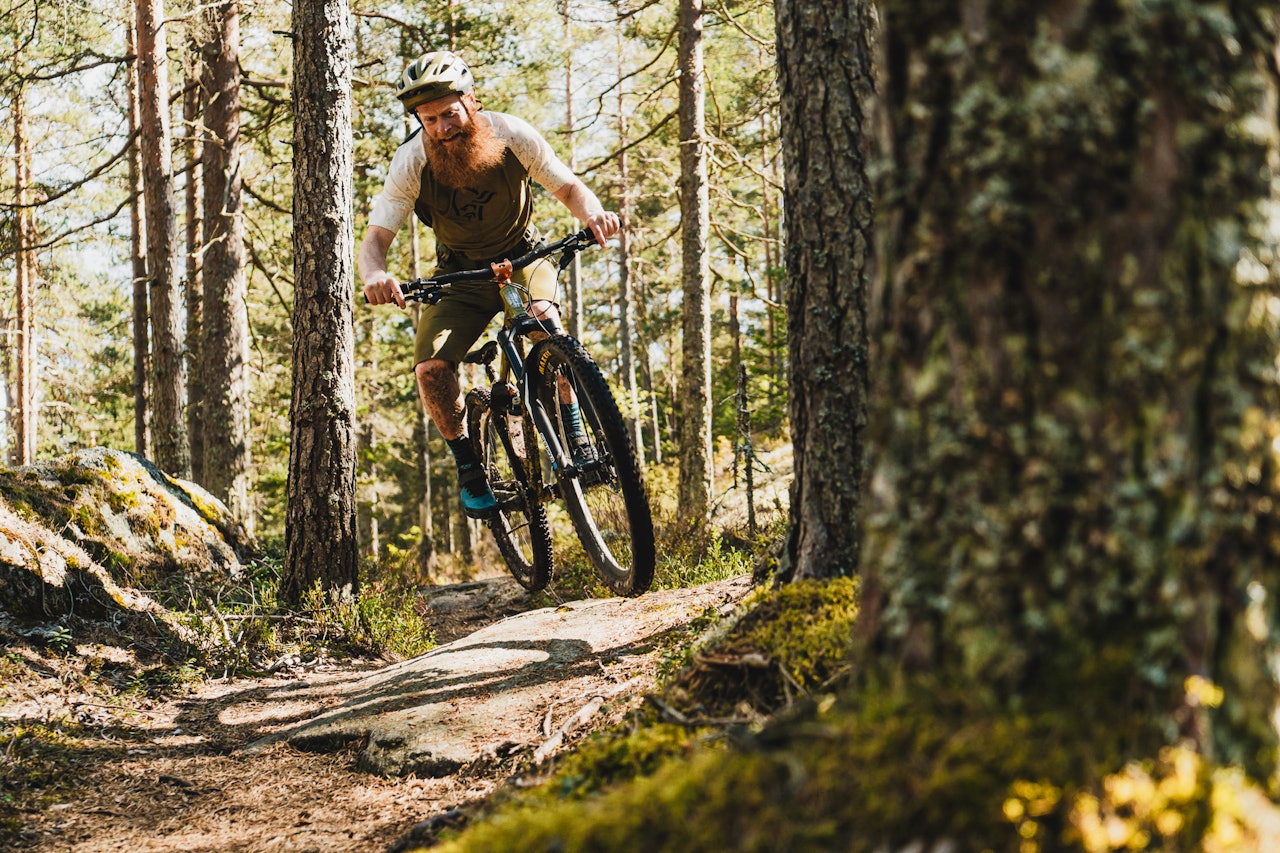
78 184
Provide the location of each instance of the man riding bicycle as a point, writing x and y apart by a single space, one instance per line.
468 177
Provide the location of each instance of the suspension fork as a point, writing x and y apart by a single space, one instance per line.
508 338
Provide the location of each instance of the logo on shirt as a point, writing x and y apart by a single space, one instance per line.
472 209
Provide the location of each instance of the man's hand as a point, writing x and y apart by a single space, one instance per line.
380 286
383 288
603 224
586 208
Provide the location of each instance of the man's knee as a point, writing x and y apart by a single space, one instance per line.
436 376
543 309
432 367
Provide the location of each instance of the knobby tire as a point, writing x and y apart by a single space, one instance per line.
508 449
609 506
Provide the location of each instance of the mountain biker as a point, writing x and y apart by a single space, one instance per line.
468 177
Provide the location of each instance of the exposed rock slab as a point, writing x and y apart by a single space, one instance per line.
505 687
77 533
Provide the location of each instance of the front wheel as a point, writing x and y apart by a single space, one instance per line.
508 449
606 496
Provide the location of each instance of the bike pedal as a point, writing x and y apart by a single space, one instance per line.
503 399
509 500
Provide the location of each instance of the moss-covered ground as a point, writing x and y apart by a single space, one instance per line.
764 741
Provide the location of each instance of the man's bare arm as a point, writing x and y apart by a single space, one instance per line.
380 286
583 204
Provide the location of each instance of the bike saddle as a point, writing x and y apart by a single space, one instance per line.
485 355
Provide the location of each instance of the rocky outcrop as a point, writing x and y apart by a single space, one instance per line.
80 534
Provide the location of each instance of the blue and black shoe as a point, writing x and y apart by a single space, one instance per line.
477 498
582 451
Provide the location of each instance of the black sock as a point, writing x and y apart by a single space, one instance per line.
464 453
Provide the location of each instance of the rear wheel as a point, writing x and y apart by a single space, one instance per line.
605 497
508 449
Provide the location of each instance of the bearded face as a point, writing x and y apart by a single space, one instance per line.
459 154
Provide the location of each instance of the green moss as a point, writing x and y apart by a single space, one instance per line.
789 641
608 758
121 500
882 769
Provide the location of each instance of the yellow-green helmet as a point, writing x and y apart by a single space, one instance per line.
433 75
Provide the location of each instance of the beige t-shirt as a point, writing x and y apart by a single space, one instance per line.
480 221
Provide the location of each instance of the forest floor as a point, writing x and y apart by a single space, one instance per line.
212 766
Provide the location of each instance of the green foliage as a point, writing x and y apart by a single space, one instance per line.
242 626
381 620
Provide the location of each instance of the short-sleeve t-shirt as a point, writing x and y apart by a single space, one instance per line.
480 221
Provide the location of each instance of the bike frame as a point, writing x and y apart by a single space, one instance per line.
519 324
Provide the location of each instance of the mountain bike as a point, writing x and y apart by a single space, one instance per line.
519 426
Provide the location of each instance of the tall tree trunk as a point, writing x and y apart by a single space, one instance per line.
422 432
168 379
446 511
194 129
10 391
1075 468
824 68
138 260
224 355
626 346
695 382
24 274
366 443
320 530
650 389
769 167
574 282
426 524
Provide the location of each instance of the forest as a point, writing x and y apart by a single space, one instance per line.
607 103
997 283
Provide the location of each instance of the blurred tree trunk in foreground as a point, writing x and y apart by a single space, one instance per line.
1073 489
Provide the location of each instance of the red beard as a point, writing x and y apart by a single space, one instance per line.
471 153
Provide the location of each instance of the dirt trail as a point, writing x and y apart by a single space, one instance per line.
222 769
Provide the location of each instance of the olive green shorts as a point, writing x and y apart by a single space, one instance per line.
448 329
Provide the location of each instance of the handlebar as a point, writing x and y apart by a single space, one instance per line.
430 290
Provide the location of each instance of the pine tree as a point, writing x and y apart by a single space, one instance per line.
320 534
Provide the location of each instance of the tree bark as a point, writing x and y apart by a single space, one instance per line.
138 260
824 69
422 434
366 445
320 530
573 283
224 356
1075 474
695 379
168 379
24 275
194 131
626 327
